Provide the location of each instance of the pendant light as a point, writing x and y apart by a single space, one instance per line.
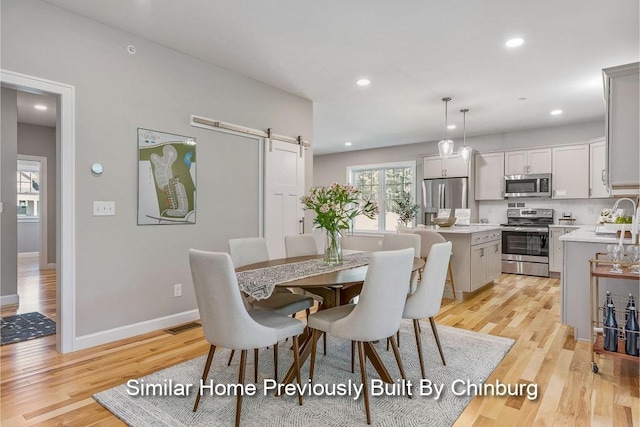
465 152
445 147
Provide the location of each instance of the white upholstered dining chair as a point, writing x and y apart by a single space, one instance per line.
426 300
377 315
226 321
251 250
427 239
300 245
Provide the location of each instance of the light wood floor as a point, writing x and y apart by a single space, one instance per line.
41 387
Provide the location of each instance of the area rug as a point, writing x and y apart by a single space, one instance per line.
23 327
471 357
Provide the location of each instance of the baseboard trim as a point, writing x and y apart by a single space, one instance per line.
123 332
9 299
28 254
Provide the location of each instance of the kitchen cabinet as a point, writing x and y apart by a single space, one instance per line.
486 263
597 170
524 162
450 167
555 247
477 256
570 175
621 93
489 176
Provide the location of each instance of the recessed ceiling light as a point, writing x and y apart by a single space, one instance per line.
40 107
348 144
556 112
514 42
363 82
451 127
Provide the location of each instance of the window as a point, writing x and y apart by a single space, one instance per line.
383 183
28 188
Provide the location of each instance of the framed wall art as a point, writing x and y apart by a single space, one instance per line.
166 178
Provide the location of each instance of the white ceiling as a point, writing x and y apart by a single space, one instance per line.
27 113
414 51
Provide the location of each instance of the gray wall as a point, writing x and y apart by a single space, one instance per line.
8 169
41 141
28 236
125 273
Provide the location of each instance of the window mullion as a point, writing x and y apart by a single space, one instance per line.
383 203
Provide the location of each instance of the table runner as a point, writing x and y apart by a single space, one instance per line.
259 283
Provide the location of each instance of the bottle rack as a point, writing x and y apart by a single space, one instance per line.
599 268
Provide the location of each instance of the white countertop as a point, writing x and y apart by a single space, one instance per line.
567 226
587 234
465 229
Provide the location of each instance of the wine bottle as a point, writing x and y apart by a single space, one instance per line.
631 302
611 330
631 331
604 307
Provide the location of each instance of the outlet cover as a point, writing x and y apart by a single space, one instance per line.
177 290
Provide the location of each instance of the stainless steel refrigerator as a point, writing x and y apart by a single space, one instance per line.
446 193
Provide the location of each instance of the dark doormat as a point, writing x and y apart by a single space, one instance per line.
23 327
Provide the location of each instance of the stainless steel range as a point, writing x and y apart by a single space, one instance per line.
525 241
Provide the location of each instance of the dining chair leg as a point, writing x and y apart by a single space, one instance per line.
275 362
243 363
419 327
387 344
453 286
205 374
353 356
231 357
435 334
324 343
416 331
296 363
398 335
363 374
255 365
314 345
396 353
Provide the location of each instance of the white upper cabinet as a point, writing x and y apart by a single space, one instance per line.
489 176
598 170
570 176
621 87
528 161
451 167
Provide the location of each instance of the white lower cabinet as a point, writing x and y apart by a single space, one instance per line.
476 260
555 248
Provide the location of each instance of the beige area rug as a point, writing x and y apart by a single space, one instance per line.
471 357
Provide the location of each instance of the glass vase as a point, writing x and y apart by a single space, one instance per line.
333 248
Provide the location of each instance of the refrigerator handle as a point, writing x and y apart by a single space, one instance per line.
441 196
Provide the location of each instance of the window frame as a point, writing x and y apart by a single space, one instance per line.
382 191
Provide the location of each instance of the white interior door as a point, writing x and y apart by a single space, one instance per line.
284 185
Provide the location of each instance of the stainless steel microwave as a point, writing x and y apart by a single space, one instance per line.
535 185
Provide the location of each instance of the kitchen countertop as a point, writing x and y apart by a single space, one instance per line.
567 226
465 229
587 234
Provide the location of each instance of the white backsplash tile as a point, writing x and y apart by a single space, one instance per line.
585 211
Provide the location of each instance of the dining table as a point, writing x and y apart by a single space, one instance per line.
336 288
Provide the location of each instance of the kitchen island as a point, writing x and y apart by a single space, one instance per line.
476 259
477 256
579 247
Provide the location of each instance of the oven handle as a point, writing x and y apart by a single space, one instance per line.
544 230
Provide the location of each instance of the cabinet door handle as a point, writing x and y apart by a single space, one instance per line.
602 177
481 252
496 246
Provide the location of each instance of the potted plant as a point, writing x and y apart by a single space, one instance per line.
405 208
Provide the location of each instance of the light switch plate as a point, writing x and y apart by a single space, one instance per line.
104 208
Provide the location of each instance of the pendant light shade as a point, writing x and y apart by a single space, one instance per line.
465 152
445 147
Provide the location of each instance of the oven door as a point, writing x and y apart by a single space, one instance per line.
528 241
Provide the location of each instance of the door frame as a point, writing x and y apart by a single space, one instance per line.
43 254
65 206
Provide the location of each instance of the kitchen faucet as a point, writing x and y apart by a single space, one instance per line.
634 218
